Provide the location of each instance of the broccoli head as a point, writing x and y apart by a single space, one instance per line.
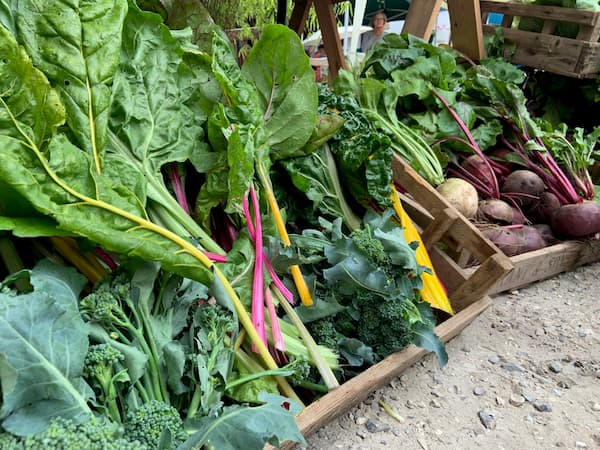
383 325
99 371
65 434
147 423
371 246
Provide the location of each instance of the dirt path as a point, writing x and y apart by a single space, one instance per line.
524 375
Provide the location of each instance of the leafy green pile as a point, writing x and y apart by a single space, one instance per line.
368 304
111 126
134 356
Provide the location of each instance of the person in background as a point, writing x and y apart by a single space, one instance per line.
320 71
370 38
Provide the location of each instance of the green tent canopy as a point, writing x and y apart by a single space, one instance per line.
393 9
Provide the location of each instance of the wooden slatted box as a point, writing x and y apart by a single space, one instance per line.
578 57
442 227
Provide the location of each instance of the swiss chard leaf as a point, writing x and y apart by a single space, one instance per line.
248 427
77 44
43 342
151 111
279 68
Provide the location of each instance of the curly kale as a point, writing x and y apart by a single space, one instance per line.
99 370
64 434
148 422
362 152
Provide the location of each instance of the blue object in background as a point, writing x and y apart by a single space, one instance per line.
495 19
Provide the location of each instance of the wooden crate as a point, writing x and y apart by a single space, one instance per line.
442 227
579 57
546 262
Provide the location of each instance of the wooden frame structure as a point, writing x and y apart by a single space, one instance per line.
465 19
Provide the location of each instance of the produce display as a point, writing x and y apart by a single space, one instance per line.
526 170
194 250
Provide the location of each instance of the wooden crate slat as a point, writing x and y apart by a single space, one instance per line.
352 392
572 15
579 58
545 263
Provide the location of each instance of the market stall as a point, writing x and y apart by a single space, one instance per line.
198 253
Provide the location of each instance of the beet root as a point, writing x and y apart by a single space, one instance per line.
498 211
542 211
524 186
576 220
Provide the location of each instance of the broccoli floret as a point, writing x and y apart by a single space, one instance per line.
10 442
105 305
99 370
382 324
147 423
302 370
65 434
324 332
371 246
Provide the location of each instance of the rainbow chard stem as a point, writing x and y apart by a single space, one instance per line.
258 299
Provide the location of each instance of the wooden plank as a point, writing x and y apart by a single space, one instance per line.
421 18
480 282
352 392
438 227
465 25
570 57
331 37
579 16
299 15
545 263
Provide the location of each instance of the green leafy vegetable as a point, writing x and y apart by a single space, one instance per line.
37 330
248 427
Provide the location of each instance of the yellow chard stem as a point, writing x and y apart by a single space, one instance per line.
432 291
299 280
66 247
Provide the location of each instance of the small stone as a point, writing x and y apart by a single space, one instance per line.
465 349
516 400
524 383
555 367
581 334
500 401
540 332
479 391
564 384
579 444
494 359
596 407
372 427
436 394
542 406
529 397
410 404
361 420
435 404
486 417
513 368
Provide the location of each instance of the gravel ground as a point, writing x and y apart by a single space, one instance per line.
524 375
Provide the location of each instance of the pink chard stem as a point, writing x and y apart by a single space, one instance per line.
273 319
258 300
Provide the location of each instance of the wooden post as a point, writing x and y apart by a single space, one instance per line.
465 21
421 18
465 27
329 30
